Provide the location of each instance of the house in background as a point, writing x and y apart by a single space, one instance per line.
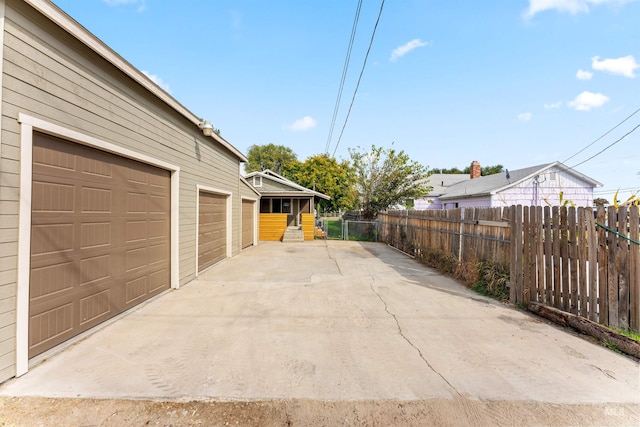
287 210
439 183
111 191
551 183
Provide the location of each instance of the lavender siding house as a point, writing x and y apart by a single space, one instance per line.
551 183
439 183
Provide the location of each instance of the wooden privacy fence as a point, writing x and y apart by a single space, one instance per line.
574 259
470 234
579 262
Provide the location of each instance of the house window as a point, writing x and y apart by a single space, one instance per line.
552 176
257 181
265 206
286 206
276 206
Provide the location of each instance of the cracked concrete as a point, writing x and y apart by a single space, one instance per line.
300 321
395 318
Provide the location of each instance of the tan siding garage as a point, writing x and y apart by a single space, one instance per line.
248 215
100 238
212 226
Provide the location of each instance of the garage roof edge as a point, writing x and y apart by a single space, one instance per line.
73 27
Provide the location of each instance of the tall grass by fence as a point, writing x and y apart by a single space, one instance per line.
564 257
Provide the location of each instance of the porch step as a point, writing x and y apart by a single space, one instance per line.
293 234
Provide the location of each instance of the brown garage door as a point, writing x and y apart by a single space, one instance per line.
212 229
247 222
100 238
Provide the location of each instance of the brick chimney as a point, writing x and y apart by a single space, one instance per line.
476 170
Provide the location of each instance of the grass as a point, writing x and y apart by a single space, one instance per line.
334 228
633 335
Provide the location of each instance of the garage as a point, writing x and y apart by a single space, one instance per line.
248 214
100 238
212 226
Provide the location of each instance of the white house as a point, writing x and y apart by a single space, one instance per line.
551 183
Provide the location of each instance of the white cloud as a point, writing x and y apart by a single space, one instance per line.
571 6
157 80
525 117
624 66
553 105
584 75
141 3
302 124
588 100
401 51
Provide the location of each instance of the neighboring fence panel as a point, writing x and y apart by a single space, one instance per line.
351 230
467 234
332 229
366 231
577 264
272 226
308 225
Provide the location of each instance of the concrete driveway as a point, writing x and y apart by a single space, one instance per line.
332 321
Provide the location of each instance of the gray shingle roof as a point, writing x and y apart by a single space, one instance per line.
440 182
492 184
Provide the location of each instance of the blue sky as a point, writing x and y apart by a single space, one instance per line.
517 83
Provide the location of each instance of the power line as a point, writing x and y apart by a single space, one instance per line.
608 146
613 191
344 75
602 136
364 64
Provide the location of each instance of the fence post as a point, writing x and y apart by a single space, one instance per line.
612 267
461 230
515 272
634 268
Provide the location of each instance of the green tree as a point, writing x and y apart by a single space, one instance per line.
491 170
277 158
386 177
487 170
328 176
453 170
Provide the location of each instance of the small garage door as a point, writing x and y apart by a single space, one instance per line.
212 229
247 222
100 238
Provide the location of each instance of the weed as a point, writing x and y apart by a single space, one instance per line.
492 281
467 272
612 346
445 263
631 334
483 277
521 306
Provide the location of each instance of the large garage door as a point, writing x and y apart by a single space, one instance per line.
247 222
212 229
100 238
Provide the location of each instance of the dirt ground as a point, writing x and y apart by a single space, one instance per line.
32 411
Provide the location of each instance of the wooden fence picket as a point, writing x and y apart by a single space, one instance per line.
623 269
634 268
